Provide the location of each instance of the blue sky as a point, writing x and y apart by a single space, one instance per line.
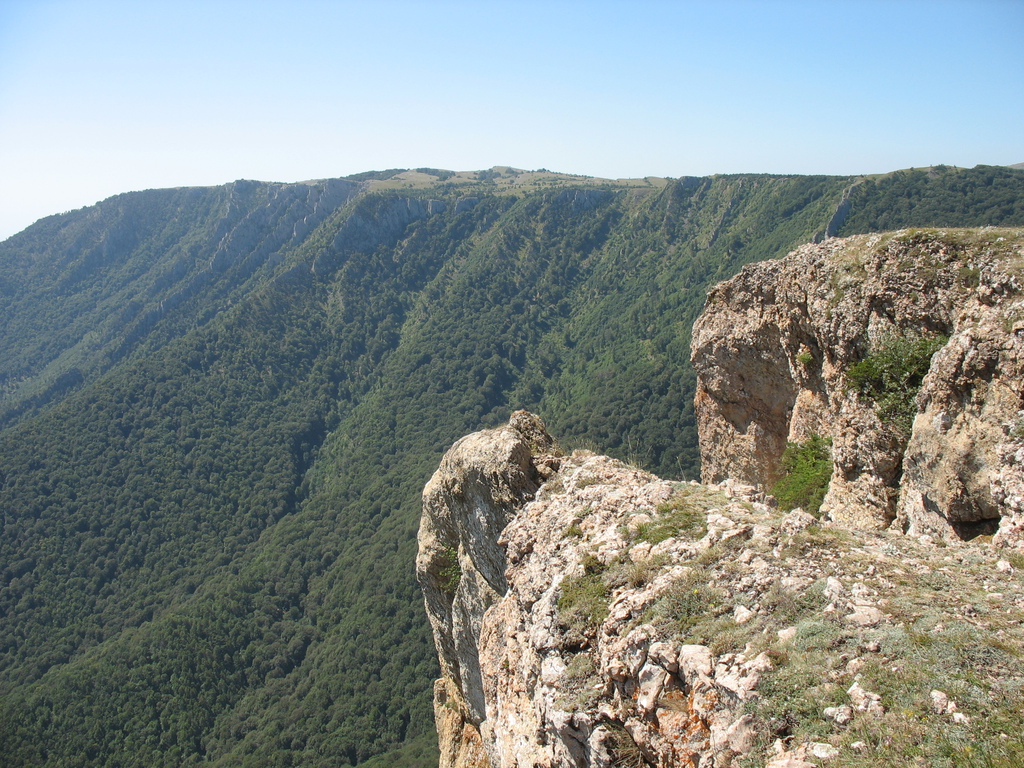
98 98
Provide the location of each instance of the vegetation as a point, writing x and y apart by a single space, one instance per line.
451 572
218 408
583 603
891 375
806 472
936 197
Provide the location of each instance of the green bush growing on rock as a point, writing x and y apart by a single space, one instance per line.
891 375
807 469
450 573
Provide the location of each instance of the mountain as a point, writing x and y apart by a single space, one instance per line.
219 406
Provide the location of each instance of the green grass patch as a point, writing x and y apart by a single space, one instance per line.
807 470
583 604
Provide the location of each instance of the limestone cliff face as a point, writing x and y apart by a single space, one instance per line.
600 616
530 678
774 345
482 482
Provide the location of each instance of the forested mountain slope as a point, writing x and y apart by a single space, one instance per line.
220 405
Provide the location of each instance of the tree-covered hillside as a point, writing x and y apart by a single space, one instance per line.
219 407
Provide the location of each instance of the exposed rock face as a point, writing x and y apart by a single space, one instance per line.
774 344
483 480
605 617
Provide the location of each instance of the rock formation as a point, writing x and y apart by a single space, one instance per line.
587 613
601 616
774 347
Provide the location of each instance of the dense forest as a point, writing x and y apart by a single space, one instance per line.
218 407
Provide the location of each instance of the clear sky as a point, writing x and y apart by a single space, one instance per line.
99 97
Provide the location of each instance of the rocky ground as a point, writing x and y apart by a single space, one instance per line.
644 622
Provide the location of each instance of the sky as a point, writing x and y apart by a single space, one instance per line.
100 97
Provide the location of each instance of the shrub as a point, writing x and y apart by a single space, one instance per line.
891 376
807 469
450 573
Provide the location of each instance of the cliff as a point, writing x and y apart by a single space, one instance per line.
825 342
588 613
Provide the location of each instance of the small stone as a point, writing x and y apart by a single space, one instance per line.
940 701
840 715
1003 566
961 719
822 751
872 646
858 745
741 614
787 635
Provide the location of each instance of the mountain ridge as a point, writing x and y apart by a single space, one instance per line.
212 451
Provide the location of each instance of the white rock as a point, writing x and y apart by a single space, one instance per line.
822 751
865 616
940 701
651 681
741 614
787 635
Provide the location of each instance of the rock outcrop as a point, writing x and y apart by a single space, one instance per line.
587 613
601 616
773 351
482 482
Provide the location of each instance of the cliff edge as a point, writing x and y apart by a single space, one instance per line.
588 613
825 343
